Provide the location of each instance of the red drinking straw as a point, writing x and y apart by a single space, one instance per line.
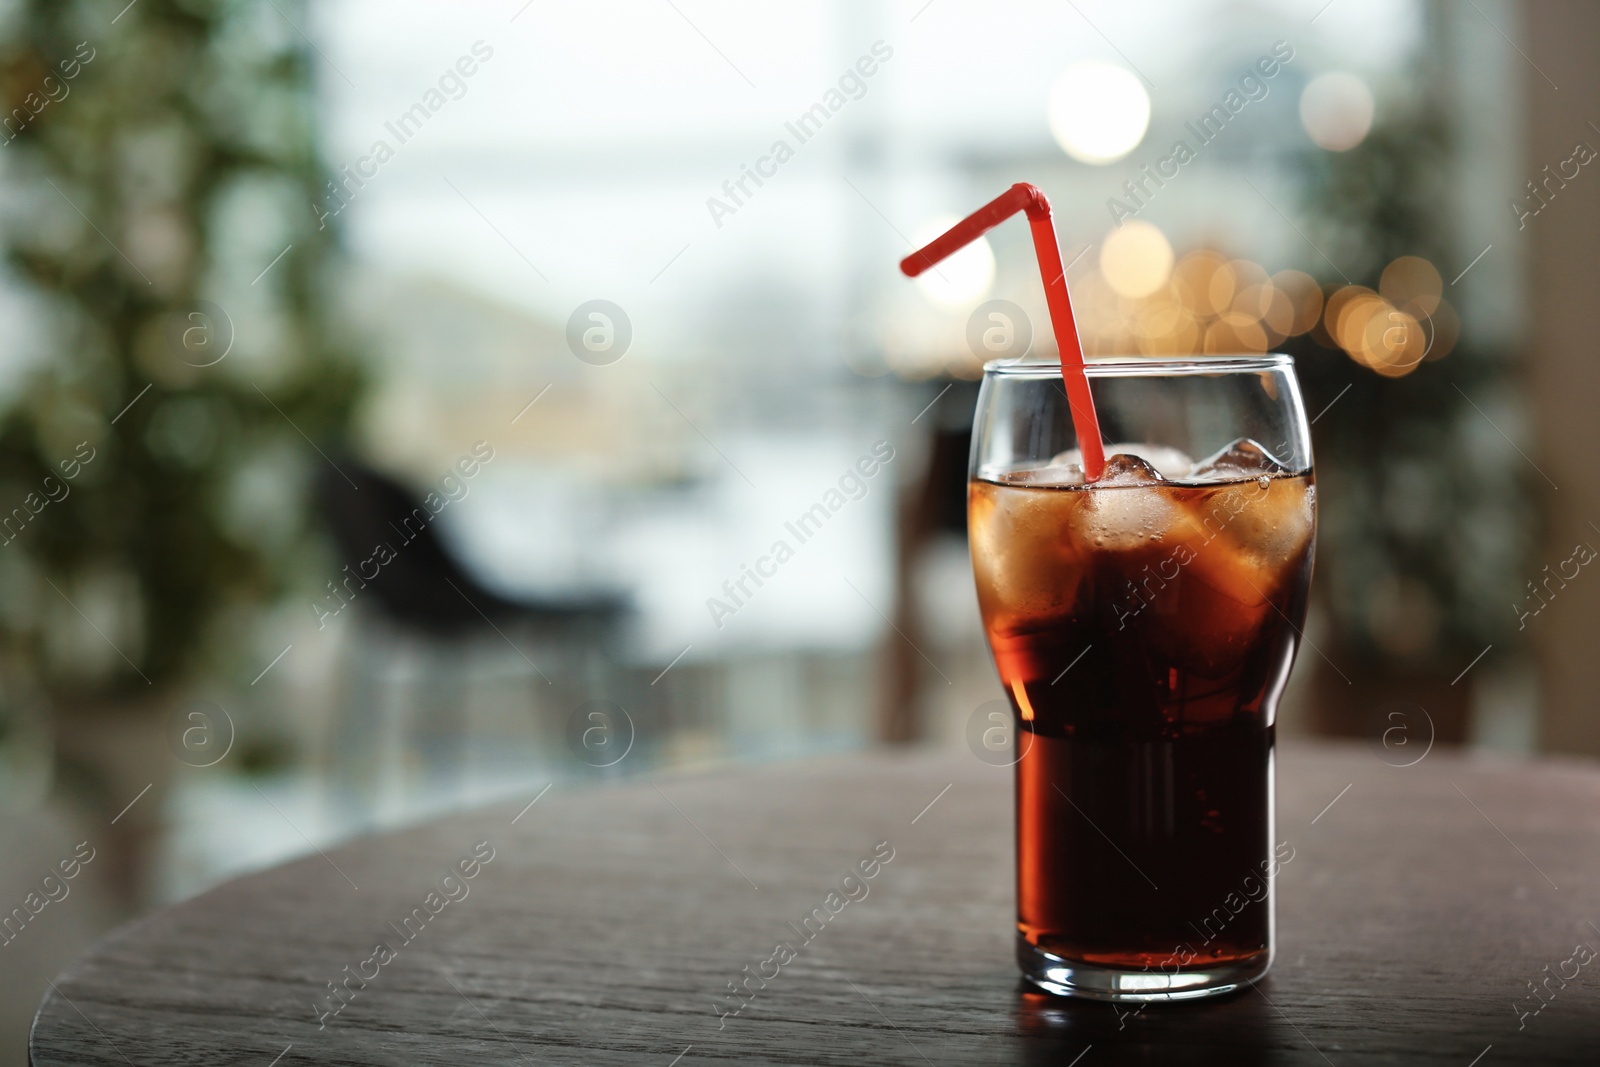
1025 197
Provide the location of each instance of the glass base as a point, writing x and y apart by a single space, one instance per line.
1069 978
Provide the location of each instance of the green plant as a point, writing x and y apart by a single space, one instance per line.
159 163
1423 554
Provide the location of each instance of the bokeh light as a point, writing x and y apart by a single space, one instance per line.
1234 333
1391 331
1304 296
1139 301
1413 281
962 279
1336 110
1098 112
1443 328
1192 278
1136 259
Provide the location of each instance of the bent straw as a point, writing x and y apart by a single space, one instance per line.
1025 197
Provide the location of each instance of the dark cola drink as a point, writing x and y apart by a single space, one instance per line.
1143 628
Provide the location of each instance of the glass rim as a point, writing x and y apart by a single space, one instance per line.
1141 367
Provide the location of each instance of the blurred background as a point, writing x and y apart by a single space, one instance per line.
400 401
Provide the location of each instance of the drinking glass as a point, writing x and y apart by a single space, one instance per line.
1143 627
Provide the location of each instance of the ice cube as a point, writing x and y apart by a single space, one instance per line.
1126 510
1063 469
1171 462
1022 553
1070 458
1245 543
1271 523
1123 468
1236 461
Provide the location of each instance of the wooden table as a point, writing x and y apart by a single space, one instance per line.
1420 904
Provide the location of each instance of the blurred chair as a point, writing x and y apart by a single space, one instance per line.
422 615
932 503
